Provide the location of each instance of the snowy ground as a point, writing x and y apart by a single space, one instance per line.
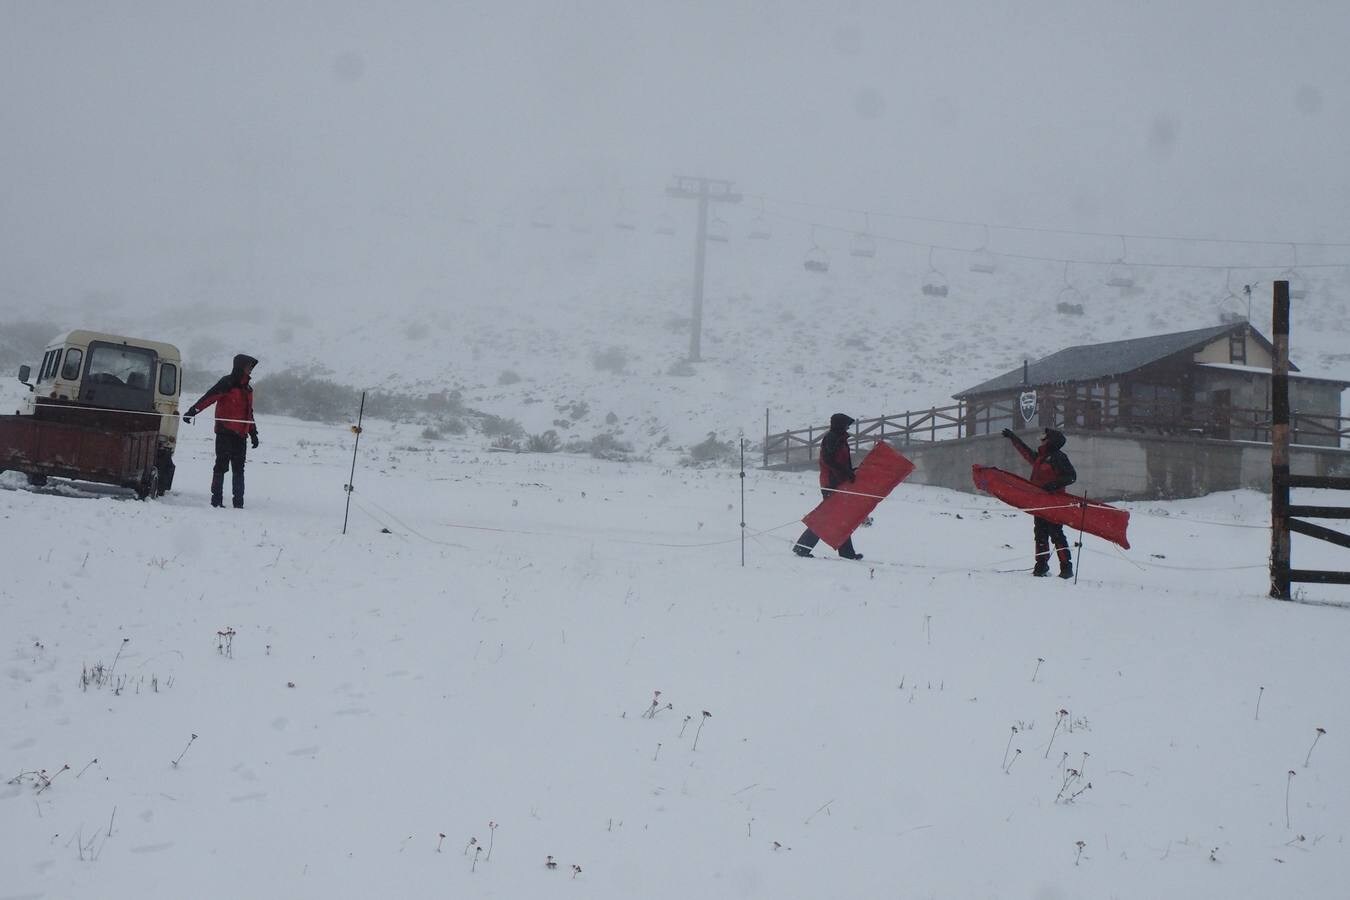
490 657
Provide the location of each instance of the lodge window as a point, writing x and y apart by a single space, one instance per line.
1154 401
1237 349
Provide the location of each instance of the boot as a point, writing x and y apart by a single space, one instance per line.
800 550
1041 570
1066 570
847 552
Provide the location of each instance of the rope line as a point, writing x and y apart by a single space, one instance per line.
552 534
1040 229
150 412
909 242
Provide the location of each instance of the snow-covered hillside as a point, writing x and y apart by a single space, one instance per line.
527 322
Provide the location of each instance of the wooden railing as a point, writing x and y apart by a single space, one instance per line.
1061 409
802 445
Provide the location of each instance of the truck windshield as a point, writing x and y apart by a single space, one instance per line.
129 366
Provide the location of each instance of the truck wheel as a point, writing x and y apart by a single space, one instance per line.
149 486
164 462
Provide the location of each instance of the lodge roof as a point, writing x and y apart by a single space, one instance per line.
1097 362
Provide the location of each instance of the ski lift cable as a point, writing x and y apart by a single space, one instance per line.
1210 267
1041 229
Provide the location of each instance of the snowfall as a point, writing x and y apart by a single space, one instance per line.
551 675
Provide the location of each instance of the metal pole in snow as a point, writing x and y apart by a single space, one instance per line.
742 502
1081 522
348 487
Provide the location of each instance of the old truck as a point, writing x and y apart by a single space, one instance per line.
103 408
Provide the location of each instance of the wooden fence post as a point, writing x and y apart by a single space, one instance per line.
1279 445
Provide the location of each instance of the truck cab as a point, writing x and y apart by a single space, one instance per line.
110 382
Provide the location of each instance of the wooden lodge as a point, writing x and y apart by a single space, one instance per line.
1169 415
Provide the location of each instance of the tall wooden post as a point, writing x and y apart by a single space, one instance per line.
1279 446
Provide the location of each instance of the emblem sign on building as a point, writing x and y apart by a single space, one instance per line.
1027 402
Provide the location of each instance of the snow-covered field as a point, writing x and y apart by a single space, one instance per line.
549 675
439 708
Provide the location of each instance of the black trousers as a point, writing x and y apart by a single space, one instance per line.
809 538
1047 532
231 450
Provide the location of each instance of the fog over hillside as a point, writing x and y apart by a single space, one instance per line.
427 197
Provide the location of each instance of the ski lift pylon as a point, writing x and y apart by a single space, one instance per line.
934 282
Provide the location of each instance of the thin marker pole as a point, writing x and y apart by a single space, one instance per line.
348 487
742 502
1081 522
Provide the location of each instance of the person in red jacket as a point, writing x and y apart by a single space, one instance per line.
233 398
836 468
1051 470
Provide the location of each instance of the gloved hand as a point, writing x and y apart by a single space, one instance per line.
254 438
1008 433
852 476
1051 487
187 417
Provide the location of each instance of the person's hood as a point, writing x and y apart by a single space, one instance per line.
1054 440
840 422
242 361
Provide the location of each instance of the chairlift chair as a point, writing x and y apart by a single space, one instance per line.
1231 306
759 227
1298 285
934 282
981 260
984 262
718 230
1070 299
1121 275
625 219
816 258
864 246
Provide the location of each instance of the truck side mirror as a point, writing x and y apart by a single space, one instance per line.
24 372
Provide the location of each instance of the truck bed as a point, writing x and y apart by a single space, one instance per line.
63 450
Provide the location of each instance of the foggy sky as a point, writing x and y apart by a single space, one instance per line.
150 144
